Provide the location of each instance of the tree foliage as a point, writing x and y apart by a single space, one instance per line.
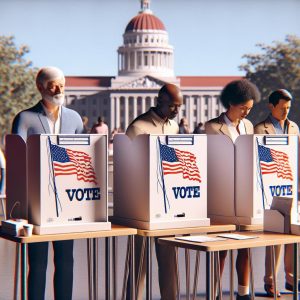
17 82
276 66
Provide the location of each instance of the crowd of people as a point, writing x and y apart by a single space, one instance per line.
50 116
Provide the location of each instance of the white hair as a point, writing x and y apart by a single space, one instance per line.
46 74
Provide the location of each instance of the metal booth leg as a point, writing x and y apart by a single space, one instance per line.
177 273
251 274
187 269
114 266
24 271
210 290
95 268
196 274
149 269
295 271
126 270
107 268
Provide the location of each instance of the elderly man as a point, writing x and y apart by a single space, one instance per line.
159 120
278 123
49 116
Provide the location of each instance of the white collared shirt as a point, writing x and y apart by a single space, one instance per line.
54 124
232 128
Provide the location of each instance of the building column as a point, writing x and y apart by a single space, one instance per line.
152 101
112 113
126 112
143 104
117 124
128 61
198 117
191 112
135 107
202 109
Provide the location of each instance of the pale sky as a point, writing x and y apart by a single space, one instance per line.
209 36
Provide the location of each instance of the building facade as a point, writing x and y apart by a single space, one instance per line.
145 63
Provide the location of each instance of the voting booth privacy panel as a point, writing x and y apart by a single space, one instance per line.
62 179
160 181
245 176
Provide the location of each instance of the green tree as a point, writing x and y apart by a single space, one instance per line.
17 82
275 66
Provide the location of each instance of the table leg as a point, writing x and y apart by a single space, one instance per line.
218 271
273 271
141 264
295 271
231 275
187 269
95 268
89 262
177 273
24 271
126 271
149 269
132 268
114 265
17 271
196 274
210 276
251 274
107 268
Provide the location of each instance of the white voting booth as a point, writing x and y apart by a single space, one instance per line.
58 182
244 177
160 181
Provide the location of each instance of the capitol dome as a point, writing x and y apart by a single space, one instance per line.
145 21
146 49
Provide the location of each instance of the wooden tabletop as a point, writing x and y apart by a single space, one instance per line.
116 230
250 227
188 230
263 239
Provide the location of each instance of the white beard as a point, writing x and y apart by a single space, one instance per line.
56 100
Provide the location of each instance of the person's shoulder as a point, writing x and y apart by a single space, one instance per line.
71 114
260 128
213 121
260 125
212 124
247 122
141 119
294 126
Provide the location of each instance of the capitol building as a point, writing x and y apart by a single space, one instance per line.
145 63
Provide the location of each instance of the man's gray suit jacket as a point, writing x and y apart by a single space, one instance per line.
34 121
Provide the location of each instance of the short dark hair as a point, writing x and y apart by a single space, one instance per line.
277 95
100 119
238 92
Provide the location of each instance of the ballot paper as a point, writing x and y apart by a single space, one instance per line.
200 238
236 236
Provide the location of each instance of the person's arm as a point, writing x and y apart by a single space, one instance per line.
210 128
19 126
132 131
79 123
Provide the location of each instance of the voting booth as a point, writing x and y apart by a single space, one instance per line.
58 182
160 181
245 176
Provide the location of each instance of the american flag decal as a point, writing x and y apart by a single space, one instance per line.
272 161
176 161
70 162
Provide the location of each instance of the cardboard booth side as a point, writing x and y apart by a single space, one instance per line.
34 179
16 179
249 209
131 179
220 178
